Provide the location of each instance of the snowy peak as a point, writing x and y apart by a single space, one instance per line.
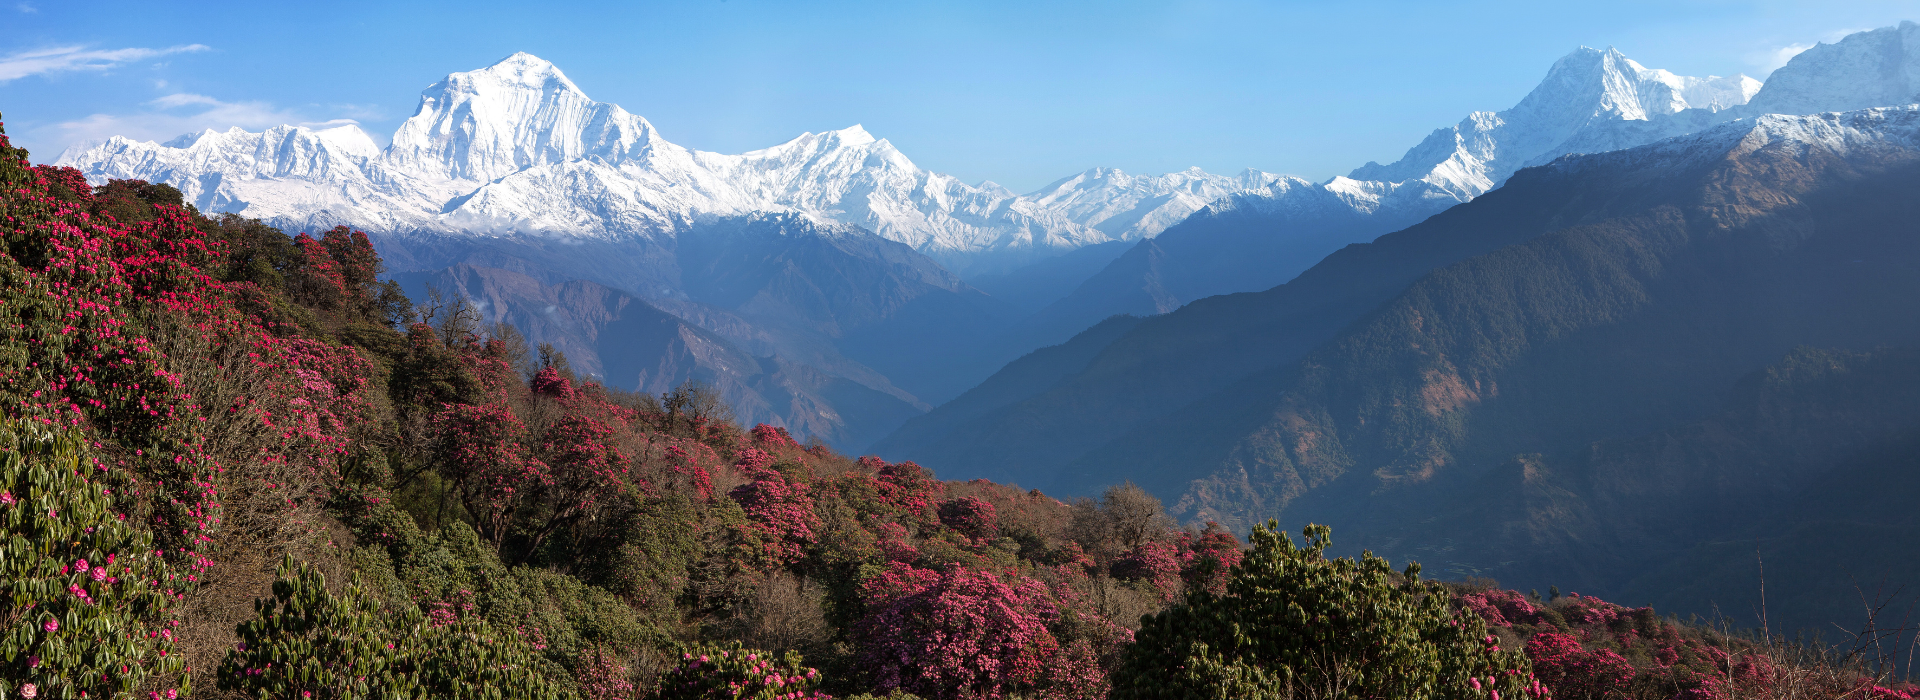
1583 92
523 71
519 113
1877 68
323 154
855 135
810 146
1605 83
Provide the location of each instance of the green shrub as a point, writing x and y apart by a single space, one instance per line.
309 643
86 602
1294 624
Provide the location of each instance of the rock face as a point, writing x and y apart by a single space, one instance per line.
517 149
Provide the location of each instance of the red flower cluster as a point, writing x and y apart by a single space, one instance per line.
958 633
971 517
1574 672
782 508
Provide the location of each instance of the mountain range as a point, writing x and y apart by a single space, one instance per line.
516 149
514 168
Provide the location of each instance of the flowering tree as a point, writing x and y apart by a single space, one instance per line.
958 633
1585 647
971 517
1209 559
584 468
905 488
781 507
1158 564
483 453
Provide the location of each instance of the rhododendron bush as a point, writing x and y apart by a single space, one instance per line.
309 643
1294 623
959 632
705 671
91 605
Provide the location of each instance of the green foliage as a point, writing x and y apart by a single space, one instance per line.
648 561
454 572
309 643
84 602
1294 623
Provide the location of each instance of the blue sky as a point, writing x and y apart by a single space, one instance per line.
1021 93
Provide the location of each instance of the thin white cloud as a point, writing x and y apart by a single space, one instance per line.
78 58
26 8
183 99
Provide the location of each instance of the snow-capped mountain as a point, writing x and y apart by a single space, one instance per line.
1585 88
518 149
1877 68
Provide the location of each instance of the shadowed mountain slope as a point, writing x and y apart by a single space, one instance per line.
1213 344
628 343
